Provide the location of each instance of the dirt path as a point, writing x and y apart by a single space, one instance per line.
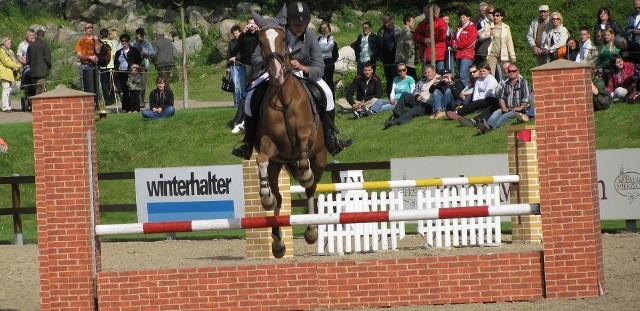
19 270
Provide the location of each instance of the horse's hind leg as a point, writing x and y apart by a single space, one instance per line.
318 163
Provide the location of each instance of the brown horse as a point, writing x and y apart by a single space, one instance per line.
291 134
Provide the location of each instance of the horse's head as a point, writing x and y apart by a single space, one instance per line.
274 52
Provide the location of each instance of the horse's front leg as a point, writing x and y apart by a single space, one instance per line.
305 174
278 248
267 151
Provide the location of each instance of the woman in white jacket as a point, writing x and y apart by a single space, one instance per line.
501 46
555 38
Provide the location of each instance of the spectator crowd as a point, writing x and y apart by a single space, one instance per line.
113 67
466 69
470 67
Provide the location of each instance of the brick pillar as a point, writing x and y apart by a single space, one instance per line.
573 260
64 148
258 241
523 161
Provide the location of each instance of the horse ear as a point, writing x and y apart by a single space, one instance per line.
260 21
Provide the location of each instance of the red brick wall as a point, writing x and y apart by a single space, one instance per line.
339 284
571 233
62 120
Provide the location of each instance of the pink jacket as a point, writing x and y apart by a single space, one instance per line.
625 78
464 41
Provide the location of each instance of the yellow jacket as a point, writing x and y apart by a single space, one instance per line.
8 64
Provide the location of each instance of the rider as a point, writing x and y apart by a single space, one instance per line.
307 59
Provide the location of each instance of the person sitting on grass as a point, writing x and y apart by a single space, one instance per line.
402 83
446 94
622 80
160 101
419 101
367 89
513 101
484 98
601 98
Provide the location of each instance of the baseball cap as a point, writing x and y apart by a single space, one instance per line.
543 7
444 71
141 31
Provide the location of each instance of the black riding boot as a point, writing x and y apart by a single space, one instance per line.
246 149
331 141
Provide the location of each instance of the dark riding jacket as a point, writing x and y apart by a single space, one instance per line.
306 51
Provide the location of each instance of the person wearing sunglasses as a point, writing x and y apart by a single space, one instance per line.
124 59
535 35
86 52
482 44
501 48
402 83
419 101
513 100
555 43
484 99
604 21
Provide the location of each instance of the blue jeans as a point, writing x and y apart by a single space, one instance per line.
463 66
239 77
498 118
166 112
381 105
442 101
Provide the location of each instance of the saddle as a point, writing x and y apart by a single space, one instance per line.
318 97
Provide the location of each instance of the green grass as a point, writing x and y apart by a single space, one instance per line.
200 137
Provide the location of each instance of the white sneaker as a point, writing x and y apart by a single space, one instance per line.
239 127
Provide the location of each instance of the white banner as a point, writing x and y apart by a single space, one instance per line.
189 193
618 177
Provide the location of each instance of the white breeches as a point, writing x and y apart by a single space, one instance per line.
265 76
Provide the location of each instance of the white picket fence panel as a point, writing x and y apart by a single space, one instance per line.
362 237
476 231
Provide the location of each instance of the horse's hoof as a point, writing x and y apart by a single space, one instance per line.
311 234
278 249
269 203
306 183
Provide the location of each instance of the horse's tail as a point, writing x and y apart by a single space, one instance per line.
292 168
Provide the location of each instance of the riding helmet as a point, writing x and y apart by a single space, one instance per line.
298 13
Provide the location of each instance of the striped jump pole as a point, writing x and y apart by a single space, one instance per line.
319 219
430 182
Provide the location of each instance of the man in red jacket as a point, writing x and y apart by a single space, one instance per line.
422 37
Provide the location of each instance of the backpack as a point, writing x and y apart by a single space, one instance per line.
104 56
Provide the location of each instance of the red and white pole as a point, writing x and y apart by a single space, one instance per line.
319 219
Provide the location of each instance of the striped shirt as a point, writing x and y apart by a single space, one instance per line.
515 94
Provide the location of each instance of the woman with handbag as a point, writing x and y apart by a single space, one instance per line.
8 68
555 42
